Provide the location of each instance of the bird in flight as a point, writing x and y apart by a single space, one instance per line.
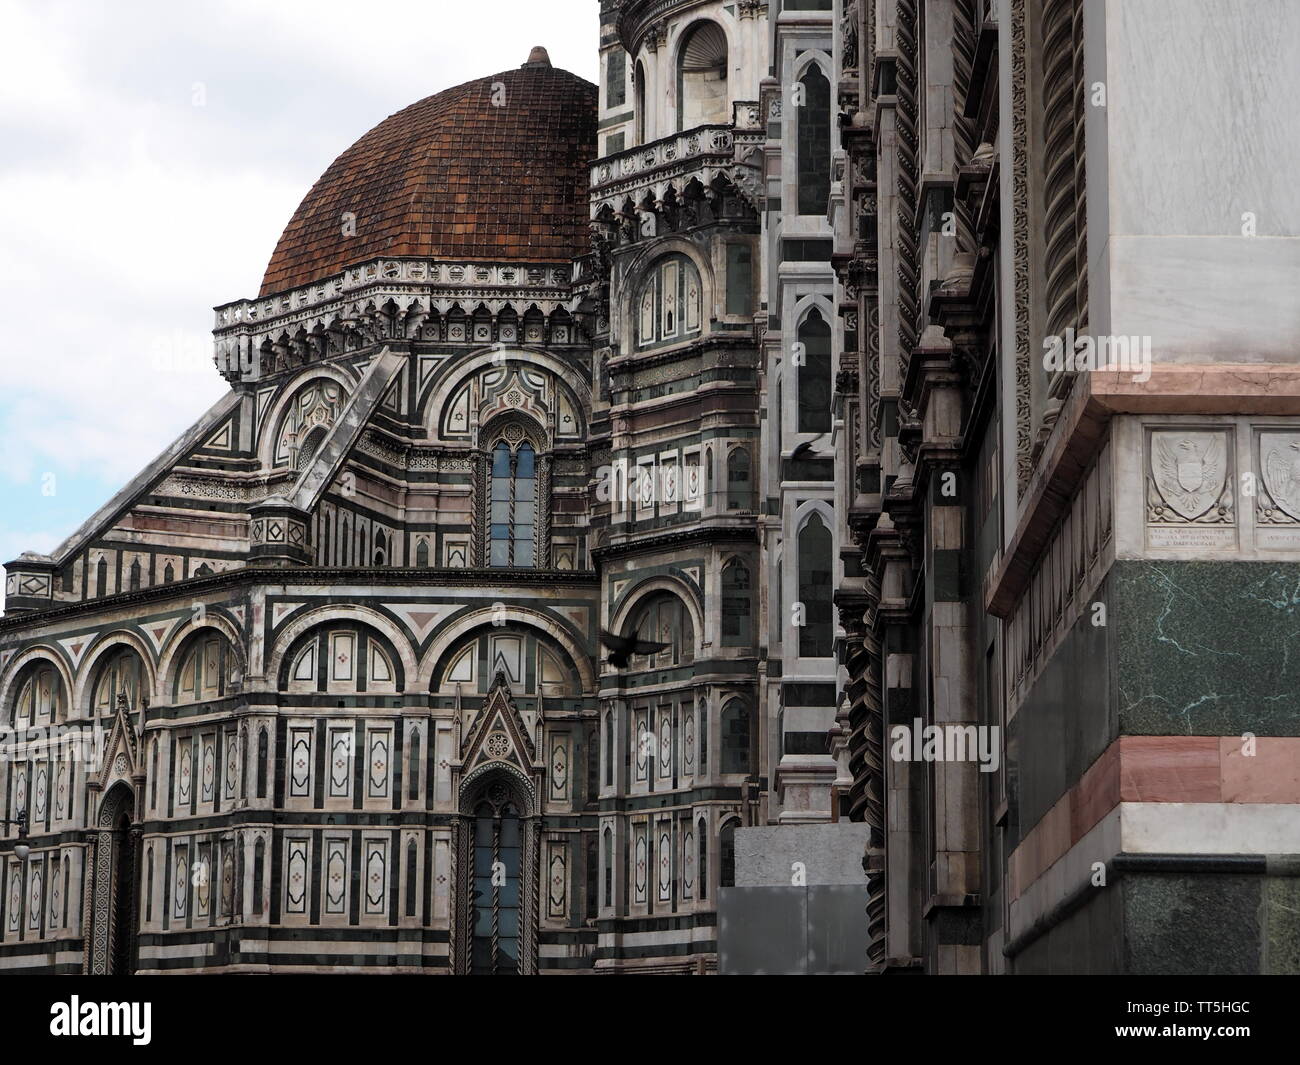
622 648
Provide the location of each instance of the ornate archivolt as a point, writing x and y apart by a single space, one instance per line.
16 667
285 639
499 381
105 644
169 657
453 631
285 416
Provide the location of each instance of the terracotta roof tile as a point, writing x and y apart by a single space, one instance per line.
454 177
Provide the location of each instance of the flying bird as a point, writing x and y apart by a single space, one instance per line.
622 648
806 448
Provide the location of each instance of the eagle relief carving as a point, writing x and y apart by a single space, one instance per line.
1279 461
1189 478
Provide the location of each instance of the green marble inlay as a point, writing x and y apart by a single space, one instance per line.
1207 648
1282 925
1206 924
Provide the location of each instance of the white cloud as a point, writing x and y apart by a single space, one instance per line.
127 212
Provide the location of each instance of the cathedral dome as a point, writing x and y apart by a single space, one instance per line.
490 170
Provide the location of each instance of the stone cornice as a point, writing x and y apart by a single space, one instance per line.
297 575
1237 388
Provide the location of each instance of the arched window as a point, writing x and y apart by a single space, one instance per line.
609 750
639 89
727 855
704 860
608 881
169 574
410 879
735 737
381 549
134 577
708 476
121 673
702 77
513 520
740 492
663 618
261 775
669 304
704 736
495 924
41 698
816 635
413 768
737 607
422 554
101 576
814 143
259 870
814 375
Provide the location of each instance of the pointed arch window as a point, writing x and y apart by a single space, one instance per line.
259 870
815 375
413 768
513 520
814 143
704 861
816 635
727 855
640 102
411 854
608 878
261 773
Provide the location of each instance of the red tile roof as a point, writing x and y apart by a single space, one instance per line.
455 176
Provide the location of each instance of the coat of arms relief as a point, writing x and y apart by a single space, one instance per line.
1277 500
1188 479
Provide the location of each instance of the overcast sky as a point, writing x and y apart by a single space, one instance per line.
151 151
